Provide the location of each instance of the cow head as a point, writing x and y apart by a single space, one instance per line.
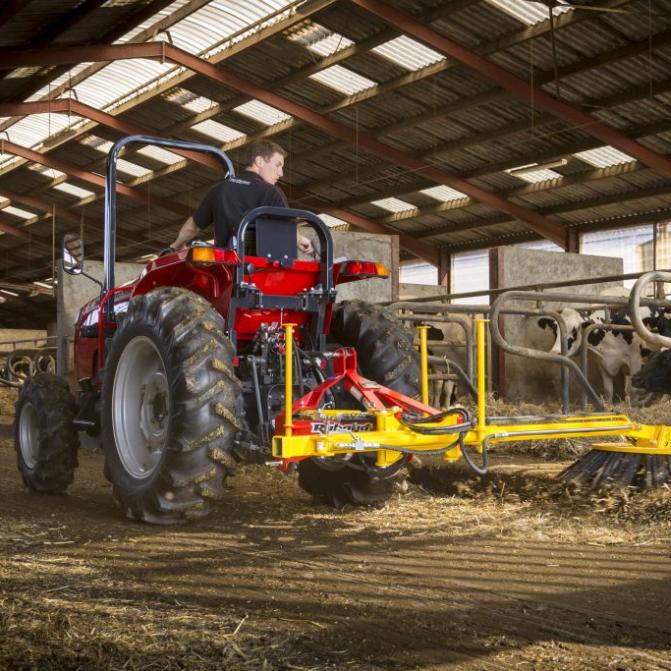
574 325
656 374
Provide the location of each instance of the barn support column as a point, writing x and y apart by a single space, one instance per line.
497 371
572 241
445 269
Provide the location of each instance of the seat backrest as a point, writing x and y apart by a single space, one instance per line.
276 239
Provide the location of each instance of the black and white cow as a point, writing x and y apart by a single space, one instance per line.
655 376
614 351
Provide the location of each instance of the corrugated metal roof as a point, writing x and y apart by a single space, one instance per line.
417 102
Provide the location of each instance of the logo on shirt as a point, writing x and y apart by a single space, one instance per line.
237 180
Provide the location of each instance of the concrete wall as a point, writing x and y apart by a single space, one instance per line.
367 247
524 379
8 336
73 292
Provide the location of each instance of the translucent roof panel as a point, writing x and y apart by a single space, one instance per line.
32 130
443 193
331 221
18 212
217 130
73 190
343 80
393 205
160 154
542 175
408 53
103 146
189 100
527 11
604 157
319 39
534 172
265 114
51 173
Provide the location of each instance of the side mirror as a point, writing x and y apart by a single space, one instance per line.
73 254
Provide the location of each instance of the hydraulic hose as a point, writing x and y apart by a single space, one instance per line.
463 428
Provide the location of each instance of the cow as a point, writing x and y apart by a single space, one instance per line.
655 375
614 351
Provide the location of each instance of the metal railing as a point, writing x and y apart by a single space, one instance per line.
19 359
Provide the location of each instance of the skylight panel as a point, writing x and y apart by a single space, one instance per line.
103 146
18 212
159 154
443 193
217 130
331 221
527 12
541 175
190 100
408 53
33 129
330 45
343 80
604 157
393 205
319 39
265 114
73 190
51 173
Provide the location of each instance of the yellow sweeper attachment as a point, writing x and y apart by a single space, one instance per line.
393 426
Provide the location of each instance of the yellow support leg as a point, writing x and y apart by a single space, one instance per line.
424 363
288 378
480 325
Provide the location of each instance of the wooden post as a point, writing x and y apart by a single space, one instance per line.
445 269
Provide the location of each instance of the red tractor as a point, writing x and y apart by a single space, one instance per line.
183 372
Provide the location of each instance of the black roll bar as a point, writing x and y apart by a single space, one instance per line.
237 242
110 193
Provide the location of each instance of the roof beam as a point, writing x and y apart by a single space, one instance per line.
91 178
163 51
10 9
75 107
566 208
515 85
44 206
145 11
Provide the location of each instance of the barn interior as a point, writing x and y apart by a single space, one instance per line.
473 147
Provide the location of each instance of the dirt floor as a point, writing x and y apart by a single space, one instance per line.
516 573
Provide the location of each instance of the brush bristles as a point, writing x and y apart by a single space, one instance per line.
626 469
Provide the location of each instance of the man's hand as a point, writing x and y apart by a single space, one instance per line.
306 247
167 250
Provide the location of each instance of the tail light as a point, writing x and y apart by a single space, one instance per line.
363 269
206 255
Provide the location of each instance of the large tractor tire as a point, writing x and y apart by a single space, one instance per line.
46 439
168 407
386 354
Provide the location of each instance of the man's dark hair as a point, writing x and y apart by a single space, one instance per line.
263 148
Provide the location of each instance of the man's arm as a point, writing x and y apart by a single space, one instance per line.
187 233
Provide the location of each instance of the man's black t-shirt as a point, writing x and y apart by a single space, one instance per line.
227 202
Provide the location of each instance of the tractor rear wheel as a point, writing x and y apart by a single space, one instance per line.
168 407
386 354
45 437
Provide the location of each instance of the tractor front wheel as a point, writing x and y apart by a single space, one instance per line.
168 401
45 437
386 354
